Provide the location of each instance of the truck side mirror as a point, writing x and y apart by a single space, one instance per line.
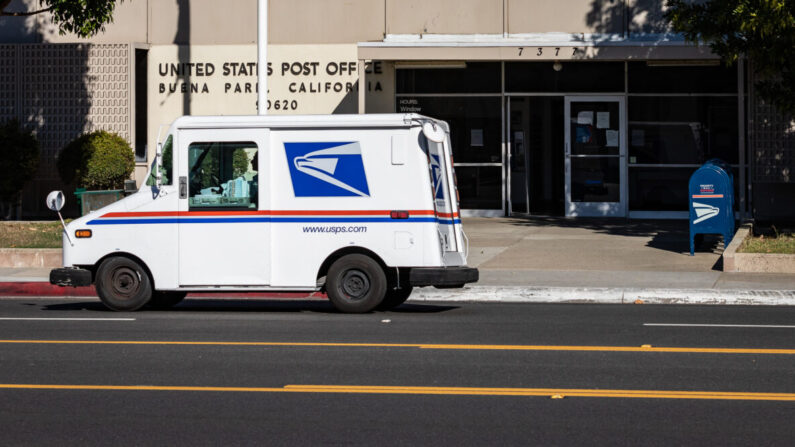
56 200
158 163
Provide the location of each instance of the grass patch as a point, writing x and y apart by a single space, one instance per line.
30 234
780 243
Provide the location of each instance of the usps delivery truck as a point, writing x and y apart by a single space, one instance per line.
363 207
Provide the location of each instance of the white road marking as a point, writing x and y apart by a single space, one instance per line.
66 319
777 326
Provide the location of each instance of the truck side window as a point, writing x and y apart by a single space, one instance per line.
165 166
222 175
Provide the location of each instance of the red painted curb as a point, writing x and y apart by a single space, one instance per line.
43 289
46 289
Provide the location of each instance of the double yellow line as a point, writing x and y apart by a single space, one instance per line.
558 393
423 390
642 348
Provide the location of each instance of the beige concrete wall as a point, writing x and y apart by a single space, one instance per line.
18 29
234 22
325 21
568 16
444 16
646 16
203 22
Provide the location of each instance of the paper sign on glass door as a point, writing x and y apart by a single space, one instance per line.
585 117
602 120
612 138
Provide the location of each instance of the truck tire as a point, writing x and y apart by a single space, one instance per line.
355 284
166 300
395 297
122 284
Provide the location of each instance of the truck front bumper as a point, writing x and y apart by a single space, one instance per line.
442 277
70 276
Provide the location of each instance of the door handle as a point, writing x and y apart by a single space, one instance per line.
183 187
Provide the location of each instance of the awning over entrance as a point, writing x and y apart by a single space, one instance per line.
527 47
531 47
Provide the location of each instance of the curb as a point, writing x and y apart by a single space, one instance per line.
485 294
45 289
500 294
31 257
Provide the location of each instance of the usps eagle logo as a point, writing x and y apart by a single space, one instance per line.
436 174
704 211
328 169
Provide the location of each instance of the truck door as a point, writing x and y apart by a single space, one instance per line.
447 214
224 208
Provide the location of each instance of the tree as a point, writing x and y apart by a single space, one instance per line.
84 18
19 159
761 30
97 160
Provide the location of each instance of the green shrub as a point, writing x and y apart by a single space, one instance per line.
96 160
19 159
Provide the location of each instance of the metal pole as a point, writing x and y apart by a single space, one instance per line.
262 57
362 85
741 123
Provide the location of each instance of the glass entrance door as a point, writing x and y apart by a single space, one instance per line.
595 155
535 150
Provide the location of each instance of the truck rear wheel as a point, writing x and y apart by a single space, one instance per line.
355 284
122 284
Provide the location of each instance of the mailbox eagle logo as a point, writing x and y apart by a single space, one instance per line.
327 169
704 211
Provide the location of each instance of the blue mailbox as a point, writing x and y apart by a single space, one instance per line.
711 193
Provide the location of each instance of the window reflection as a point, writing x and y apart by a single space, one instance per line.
223 175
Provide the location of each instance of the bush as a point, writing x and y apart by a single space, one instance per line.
19 159
96 160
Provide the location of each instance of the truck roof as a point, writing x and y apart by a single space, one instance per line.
287 121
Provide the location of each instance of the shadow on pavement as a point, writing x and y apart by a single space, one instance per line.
265 305
668 235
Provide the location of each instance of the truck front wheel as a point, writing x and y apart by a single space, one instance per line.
355 284
395 297
122 284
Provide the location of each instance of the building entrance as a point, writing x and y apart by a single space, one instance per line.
536 155
596 163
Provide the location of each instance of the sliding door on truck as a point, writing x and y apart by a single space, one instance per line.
447 213
224 207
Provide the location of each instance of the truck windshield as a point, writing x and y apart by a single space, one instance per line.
165 165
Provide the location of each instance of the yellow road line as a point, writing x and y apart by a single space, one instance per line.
644 348
422 390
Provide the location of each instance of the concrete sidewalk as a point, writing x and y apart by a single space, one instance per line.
586 260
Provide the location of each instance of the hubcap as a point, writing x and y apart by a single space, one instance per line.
125 282
355 284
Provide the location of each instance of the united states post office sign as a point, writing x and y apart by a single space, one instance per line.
302 79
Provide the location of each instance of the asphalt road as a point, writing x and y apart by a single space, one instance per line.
270 372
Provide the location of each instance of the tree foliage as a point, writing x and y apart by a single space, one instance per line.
96 160
84 18
19 159
762 30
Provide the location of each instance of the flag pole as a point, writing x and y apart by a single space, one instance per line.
262 57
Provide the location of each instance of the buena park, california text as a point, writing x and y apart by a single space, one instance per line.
188 76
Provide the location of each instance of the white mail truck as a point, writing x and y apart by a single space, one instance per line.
363 207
